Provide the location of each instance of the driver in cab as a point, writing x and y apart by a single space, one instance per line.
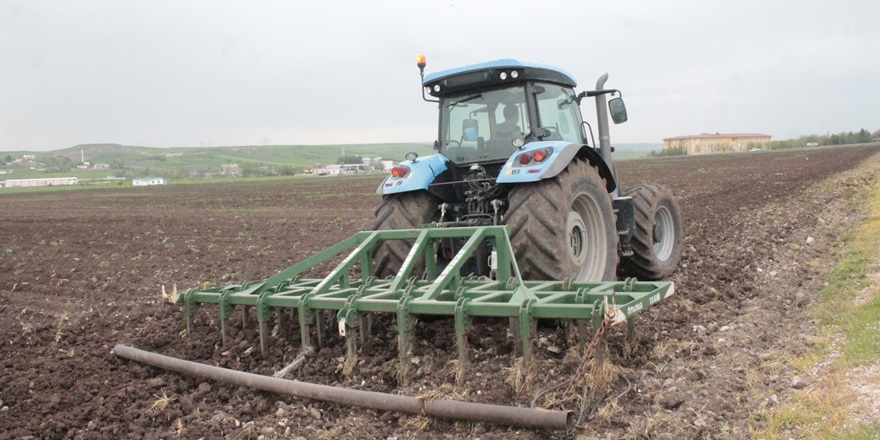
509 129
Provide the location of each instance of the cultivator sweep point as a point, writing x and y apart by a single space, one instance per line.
439 291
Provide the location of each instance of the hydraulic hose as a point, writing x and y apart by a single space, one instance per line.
440 408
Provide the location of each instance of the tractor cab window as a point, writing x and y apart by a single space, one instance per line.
481 126
559 114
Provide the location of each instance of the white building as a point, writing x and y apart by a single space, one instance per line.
147 181
349 168
51 181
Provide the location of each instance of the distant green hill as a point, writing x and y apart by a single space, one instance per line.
181 162
295 155
193 162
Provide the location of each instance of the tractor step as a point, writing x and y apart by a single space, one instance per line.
352 293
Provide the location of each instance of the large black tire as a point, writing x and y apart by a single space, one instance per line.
656 241
408 210
564 227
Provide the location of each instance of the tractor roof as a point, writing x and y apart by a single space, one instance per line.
489 74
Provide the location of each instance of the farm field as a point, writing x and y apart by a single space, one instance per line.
81 271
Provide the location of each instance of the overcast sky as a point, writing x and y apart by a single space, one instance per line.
189 73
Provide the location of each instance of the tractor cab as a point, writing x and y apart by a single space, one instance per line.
489 110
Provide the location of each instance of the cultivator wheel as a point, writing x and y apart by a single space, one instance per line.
656 241
438 293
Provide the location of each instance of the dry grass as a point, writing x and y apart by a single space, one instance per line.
602 375
417 423
514 374
161 402
607 412
815 412
178 428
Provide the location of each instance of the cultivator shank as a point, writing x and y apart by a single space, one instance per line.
440 291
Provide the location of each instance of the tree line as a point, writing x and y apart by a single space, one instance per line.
843 138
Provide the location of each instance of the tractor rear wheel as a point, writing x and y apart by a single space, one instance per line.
656 241
564 227
409 210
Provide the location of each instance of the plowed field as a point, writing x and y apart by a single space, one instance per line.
81 271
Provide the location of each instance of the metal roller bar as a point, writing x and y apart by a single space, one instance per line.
536 418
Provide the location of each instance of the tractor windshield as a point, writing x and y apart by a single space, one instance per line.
479 127
559 114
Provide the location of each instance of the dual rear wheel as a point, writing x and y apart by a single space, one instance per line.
656 241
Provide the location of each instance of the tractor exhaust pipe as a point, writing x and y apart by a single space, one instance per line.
602 122
535 418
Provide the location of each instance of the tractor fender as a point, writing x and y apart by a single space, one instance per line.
421 173
561 155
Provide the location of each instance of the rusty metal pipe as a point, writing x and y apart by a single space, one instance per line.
448 409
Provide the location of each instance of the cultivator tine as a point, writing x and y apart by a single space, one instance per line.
631 329
598 319
347 317
583 332
353 298
583 335
319 327
513 329
225 310
263 315
405 326
525 331
462 324
190 305
264 338
350 350
305 315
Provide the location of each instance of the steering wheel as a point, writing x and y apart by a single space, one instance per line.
550 132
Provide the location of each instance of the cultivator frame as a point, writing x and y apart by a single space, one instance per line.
438 292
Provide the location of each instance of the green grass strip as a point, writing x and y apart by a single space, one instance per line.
849 326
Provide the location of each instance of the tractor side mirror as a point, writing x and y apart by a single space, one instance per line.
618 110
470 130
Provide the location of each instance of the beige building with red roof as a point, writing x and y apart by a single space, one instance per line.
717 143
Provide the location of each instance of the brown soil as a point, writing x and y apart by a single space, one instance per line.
81 271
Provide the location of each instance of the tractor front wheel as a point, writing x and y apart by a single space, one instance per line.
408 210
564 227
656 241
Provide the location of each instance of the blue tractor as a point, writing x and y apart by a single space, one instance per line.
513 149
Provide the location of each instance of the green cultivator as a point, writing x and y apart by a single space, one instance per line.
425 286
